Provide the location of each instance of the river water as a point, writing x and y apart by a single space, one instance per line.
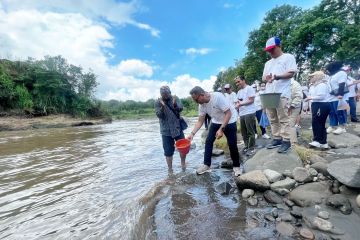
109 182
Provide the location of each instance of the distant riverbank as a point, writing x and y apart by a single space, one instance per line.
16 123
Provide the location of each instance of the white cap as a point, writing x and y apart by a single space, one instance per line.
227 85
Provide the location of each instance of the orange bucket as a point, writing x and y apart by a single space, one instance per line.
183 146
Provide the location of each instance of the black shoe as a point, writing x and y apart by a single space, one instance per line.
355 120
285 146
274 144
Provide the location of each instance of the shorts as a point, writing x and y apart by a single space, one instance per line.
169 142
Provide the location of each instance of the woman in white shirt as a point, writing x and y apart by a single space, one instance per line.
320 108
259 108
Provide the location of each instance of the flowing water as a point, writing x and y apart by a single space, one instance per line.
109 182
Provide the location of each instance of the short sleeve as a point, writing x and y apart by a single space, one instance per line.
251 92
291 64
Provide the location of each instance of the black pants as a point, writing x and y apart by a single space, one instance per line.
248 124
207 121
320 111
230 134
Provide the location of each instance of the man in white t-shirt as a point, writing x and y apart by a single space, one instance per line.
230 95
247 109
278 72
223 122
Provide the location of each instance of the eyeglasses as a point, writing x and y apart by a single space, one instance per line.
196 98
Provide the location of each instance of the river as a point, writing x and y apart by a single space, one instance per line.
109 182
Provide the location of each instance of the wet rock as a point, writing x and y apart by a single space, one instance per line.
246 193
252 201
316 158
321 167
224 188
228 163
307 234
281 191
270 159
269 217
346 171
296 212
217 152
282 207
301 174
343 140
287 183
285 229
215 178
340 202
286 217
275 212
289 202
254 180
322 224
310 194
313 172
324 215
358 200
272 176
272 197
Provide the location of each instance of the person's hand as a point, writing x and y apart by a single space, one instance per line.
340 97
219 133
307 99
269 78
290 109
190 137
237 105
161 102
174 102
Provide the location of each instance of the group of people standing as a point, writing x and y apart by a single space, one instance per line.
326 95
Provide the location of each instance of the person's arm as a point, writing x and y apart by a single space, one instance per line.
291 68
284 76
296 95
249 101
196 128
178 104
159 109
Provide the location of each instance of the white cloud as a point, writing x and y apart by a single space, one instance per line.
135 67
196 51
228 5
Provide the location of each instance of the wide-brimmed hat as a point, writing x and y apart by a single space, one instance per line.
317 76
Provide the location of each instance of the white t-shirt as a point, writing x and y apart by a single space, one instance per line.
278 66
320 92
231 98
216 108
334 81
243 95
352 91
257 101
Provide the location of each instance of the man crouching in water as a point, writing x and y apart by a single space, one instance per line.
223 121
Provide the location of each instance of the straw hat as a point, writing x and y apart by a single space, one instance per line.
317 76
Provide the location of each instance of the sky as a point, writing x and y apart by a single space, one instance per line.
135 47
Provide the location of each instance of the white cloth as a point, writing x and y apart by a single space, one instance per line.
231 98
320 92
352 91
278 66
334 81
257 101
216 108
243 95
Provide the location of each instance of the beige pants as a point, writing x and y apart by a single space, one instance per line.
279 120
293 116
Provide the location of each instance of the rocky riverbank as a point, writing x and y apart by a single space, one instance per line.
52 121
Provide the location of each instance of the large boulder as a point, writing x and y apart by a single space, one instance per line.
343 140
346 171
310 194
271 159
254 180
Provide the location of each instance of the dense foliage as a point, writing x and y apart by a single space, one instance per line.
51 85
327 32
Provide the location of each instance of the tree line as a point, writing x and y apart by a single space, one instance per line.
327 32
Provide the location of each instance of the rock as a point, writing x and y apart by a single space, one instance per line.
217 152
310 194
228 163
316 158
246 193
321 167
322 224
306 233
346 191
254 180
340 202
275 212
252 201
301 174
285 229
281 191
324 215
288 173
335 190
224 188
215 178
358 200
315 179
346 171
321 177
282 207
272 197
269 218
343 140
289 202
313 172
272 175
296 212
336 183
287 183
286 217
270 159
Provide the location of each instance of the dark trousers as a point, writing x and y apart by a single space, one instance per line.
248 124
230 134
207 121
352 104
320 111
258 117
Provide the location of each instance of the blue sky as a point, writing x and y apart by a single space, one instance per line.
136 46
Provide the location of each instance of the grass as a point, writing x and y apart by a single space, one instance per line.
304 153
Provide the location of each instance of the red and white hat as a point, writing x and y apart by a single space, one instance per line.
271 43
